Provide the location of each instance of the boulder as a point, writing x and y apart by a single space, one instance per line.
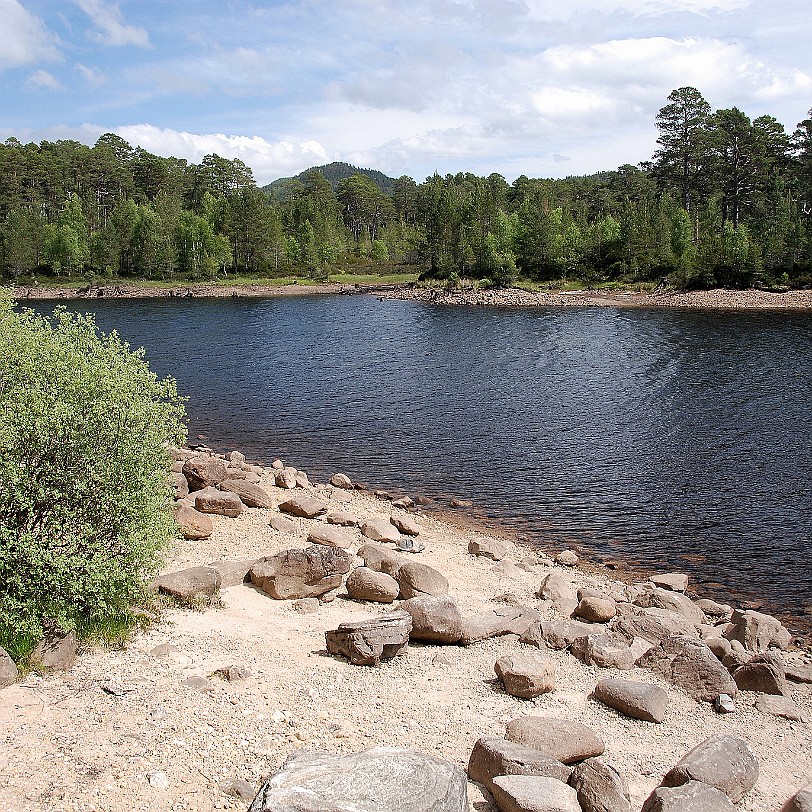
307 573
302 480
600 787
56 651
341 481
674 581
533 793
192 524
8 669
189 584
380 559
500 621
653 625
251 495
724 762
567 558
286 478
221 503
406 525
304 506
637 700
756 631
763 673
564 740
365 584
233 573
368 642
379 528
691 665
658 598
204 472
179 485
525 674
782 706
494 756
691 797
557 634
435 619
495 549
282 524
331 537
420 579
405 502
341 518
714 610
595 609
605 650
383 778
800 802
556 588
277 465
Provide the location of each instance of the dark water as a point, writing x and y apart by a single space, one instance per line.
675 439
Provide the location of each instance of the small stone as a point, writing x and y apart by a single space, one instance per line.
158 780
724 704
457 502
495 549
341 518
567 558
600 787
594 609
233 673
379 528
675 581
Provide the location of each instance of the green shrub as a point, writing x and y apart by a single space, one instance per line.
84 498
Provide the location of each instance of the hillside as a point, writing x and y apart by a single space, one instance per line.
335 173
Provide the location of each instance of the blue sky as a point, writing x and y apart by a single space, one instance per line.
545 88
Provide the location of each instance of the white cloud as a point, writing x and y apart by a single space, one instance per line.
93 77
23 37
111 29
557 10
42 80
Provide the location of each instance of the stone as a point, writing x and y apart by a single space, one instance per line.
496 623
302 480
365 584
556 588
189 584
691 665
691 797
637 700
277 465
495 549
236 457
420 579
780 706
458 502
368 642
526 675
800 802
605 650
674 581
158 780
232 673
757 631
763 673
673 601
304 506
306 606
8 669
567 558
653 625
796 672
341 481
282 524
379 528
180 485
253 496
594 609
724 704
557 634
331 537
307 573
192 524
221 503
712 609
341 518
435 619
233 573
380 559
376 780
408 544
238 788
286 478
56 651
600 787
564 740
203 472
533 793
406 525
494 756
724 762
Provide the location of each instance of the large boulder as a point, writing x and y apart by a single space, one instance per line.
635 699
420 579
368 642
724 762
405 524
233 572
500 621
204 471
304 506
763 673
193 524
379 528
221 503
306 573
556 588
600 787
494 756
756 631
564 740
253 496
435 619
377 780
654 624
533 793
285 478
190 584
365 584
8 669
525 674
691 797
691 665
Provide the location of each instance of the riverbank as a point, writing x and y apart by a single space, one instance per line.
151 727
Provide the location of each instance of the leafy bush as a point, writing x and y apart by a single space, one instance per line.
84 498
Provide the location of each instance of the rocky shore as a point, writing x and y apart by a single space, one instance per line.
408 653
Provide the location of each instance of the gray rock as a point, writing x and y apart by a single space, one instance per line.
368 642
331 537
691 797
406 525
253 496
238 788
757 631
724 762
420 579
302 480
233 573
495 549
533 793
635 699
800 802
724 704
307 573
282 524
192 524
595 609
494 756
233 673
564 740
8 669
525 674
341 518
691 665
189 584
204 471
600 787
674 581
376 780
714 610
782 706
221 503
557 634
56 651
763 673
496 623
365 584
379 528
304 506
435 619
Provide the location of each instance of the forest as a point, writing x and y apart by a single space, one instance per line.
724 201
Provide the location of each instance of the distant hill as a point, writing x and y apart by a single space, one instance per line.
335 173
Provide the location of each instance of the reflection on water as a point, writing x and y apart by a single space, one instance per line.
679 439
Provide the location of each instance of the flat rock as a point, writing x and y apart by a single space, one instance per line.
763 673
221 503
562 739
417 579
495 549
406 525
282 524
307 573
494 756
253 496
304 506
331 537
595 609
56 651
365 584
675 581
557 634
368 642
525 674
341 518
724 762
691 665
533 793
204 471
637 700
712 609
189 584
435 619
654 625
600 787
192 524
498 622
691 797
377 780
8 669
238 788
796 672
782 706
757 631
800 802
233 573
379 528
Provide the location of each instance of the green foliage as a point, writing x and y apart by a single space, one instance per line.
84 501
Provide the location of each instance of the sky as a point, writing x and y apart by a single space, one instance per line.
544 88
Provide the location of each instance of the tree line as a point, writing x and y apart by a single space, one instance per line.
723 201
